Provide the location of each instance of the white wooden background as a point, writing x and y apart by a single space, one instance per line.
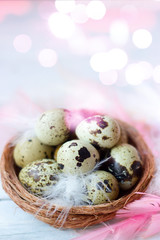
15 224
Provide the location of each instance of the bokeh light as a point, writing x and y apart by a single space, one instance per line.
118 58
136 73
47 57
96 9
45 9
97 44
78 43
114 59
156 74
119 32
142 38
61 25
22 43
109 77
146 69
64 6
79 14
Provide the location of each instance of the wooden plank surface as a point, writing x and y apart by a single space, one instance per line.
15 224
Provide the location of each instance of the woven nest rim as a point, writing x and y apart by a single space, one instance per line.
79 216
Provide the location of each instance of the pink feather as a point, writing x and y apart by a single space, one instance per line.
100 234
126 230
140 214
149 204
153 227
15 115
130 228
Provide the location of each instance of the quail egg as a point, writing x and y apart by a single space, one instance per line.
36 176
101 187
100 131
52 128
56 152
125 164
123 136
76 156
31 149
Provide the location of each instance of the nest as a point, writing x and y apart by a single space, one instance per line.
78 216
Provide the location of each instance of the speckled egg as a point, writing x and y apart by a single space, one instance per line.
123 136
31 149
125 164
76 156
100 131
56 152
36 176
52 128
102 187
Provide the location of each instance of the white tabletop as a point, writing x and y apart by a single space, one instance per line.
15 224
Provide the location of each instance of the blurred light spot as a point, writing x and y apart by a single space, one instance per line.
22 43
64 6
129 9
119 32
97 44
61 25
47 57
138 72
156 74
142 38
108 78
146 69
113 59
79 14
96 9
78 42
45 9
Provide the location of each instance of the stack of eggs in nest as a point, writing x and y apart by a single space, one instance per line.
97 149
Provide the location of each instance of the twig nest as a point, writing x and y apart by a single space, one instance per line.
77 156
38 175
52 128
31 149
101 187
101 131
125 164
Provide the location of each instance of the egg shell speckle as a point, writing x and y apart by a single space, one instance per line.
76 156
125 164
100 131
52 128
30 150
36 176
101 187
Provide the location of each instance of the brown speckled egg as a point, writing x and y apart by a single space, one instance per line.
31 149
56 152
125 164
102 187
123 136
100 131
76 156
52 127
36 176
